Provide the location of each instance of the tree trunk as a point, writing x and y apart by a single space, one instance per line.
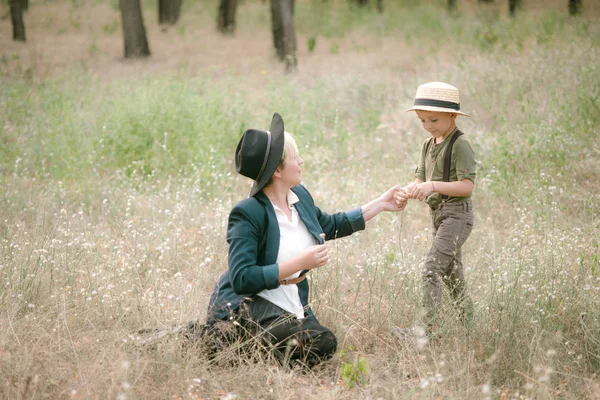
25 5
168 11
277 28
134 33
289 35
284 34
226 20
513 5
16 14
451 5
574 7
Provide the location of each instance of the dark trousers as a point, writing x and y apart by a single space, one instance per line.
291 340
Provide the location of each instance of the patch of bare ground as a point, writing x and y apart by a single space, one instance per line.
61 39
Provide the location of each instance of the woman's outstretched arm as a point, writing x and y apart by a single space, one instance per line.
385 202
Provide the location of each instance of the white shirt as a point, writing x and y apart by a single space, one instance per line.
294 239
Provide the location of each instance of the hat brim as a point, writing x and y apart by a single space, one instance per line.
275 154
436 109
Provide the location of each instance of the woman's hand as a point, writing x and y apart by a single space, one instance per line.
314 257
389 200
386 202
401 197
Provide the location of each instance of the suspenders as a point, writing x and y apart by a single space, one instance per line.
447 157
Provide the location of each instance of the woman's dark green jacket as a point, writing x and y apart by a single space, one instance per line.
253 237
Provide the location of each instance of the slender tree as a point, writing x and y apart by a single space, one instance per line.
365 3
16 15
289 35
226 19
284 33
574 7
277 28
168 11
513 5
451 5
134 33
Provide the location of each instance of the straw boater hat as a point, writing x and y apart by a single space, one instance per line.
437 96
259 152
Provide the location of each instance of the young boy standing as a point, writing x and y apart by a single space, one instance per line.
444 178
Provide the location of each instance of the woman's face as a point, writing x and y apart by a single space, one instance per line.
438 124
291 173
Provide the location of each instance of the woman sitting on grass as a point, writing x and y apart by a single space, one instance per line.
275 237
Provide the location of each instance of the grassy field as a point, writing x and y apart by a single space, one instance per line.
117 178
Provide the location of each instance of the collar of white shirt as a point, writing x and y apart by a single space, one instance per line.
292 199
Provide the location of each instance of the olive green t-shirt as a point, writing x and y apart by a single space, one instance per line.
431 165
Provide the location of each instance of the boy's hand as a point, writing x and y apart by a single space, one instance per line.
422 190
409 189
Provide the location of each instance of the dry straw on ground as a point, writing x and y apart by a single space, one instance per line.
85 265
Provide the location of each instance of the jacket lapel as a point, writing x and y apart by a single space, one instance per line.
271 244
307 217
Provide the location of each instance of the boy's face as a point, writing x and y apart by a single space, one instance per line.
438 124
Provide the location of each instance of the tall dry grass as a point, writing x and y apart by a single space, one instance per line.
116 189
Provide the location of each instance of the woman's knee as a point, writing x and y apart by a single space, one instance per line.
327 344
319 349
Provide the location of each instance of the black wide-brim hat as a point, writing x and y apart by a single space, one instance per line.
259 152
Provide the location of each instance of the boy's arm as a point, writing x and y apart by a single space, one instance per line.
462 188
464 161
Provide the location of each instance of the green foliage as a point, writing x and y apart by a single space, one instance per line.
93 48
529 147
80 128
355 373
311 43
75 20
111 28
354 369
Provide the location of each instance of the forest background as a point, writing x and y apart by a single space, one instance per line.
117 177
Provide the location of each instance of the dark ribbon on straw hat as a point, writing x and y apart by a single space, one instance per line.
437 103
